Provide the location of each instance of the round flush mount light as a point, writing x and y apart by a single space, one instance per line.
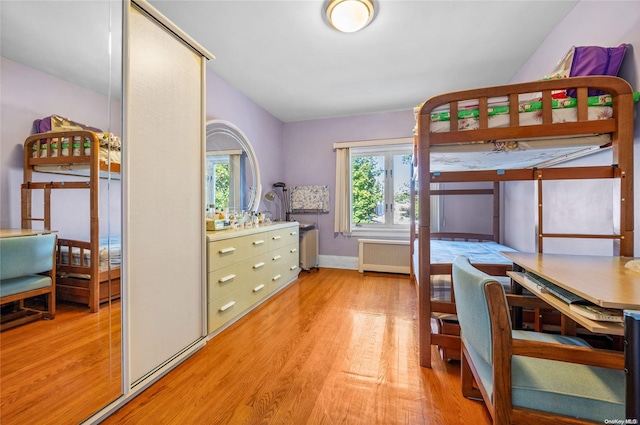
349 15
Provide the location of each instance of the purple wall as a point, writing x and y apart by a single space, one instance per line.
310 160
28 94
590 23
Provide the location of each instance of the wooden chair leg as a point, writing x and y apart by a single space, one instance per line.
469 390
50 311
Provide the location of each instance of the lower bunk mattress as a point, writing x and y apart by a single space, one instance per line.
74 279
110 255
444 252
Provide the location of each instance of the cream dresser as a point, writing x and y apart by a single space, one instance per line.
247 266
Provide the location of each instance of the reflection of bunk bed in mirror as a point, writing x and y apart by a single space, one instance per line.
492 135
82 277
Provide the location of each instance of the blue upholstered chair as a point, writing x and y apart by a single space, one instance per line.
27 269
529 377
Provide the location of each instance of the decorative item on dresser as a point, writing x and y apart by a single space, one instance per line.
247 266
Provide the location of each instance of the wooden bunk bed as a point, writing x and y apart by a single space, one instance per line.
470 125
82 276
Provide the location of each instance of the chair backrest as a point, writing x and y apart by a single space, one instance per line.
24 255
471 306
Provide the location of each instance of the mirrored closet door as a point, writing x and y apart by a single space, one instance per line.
62 64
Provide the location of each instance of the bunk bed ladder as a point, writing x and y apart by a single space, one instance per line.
26 193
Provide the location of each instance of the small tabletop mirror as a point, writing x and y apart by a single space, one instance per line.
232 174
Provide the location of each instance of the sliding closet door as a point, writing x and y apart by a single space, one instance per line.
164 196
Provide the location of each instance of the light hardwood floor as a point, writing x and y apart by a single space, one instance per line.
334 347
61 371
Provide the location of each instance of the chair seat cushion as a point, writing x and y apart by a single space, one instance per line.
553 386
21 284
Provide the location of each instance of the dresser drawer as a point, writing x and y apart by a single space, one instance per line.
229 251
284 256
285 265
229 306
285 275
223 281
281 237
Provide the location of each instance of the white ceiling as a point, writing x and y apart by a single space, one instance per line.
283 56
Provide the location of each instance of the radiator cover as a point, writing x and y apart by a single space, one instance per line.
377 255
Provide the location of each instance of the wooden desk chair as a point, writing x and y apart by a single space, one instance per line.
529 377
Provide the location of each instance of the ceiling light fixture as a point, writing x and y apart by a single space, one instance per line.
349 15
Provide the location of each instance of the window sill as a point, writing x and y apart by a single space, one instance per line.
380 233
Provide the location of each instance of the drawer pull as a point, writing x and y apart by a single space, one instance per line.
293 267
257 266
275 238
226 278
227 250
258 288
293 250
227 306
293 233
258 242
277 257
276 277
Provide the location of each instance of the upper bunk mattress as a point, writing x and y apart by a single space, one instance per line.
529 112
108 156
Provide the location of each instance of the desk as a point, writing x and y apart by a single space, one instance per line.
605 281
11 233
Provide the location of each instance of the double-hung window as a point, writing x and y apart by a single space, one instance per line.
380 188
222 181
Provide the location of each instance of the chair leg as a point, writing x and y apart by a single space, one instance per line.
50 311
466 378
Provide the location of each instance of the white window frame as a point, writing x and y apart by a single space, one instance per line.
388 153
231 157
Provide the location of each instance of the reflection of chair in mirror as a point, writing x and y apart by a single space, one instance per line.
529 377
27 270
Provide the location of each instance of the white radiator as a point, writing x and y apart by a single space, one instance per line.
384 256
308 249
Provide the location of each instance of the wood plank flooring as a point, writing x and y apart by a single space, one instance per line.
334 347
61 371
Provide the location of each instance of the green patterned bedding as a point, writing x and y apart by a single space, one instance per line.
502 108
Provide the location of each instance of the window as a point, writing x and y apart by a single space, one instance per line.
380 187
221 189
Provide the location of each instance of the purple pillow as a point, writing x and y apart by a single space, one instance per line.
596 60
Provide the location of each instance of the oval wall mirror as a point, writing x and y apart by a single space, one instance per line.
232 173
